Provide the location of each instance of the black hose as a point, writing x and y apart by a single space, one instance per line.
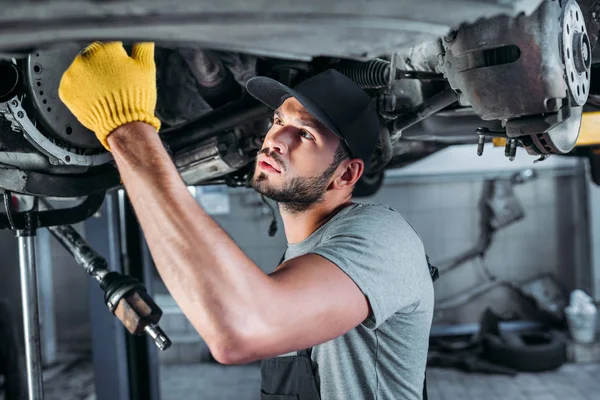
93 263
375 73
368 75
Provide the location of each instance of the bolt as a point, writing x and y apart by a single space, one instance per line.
15 103
480 145
20 114
160 338
390 102
513 149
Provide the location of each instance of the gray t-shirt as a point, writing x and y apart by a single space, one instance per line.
385 356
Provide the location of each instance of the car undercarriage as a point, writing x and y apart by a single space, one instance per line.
519 73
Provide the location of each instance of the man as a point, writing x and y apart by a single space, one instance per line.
347 314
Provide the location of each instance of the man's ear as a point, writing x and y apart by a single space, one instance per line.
351 171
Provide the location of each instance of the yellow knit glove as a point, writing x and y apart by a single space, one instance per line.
105 88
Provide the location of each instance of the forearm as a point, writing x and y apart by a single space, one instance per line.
209 276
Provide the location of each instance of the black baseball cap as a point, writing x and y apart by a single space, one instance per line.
335 101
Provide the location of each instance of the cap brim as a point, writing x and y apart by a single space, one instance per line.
273 93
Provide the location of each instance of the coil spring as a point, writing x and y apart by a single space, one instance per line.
371 74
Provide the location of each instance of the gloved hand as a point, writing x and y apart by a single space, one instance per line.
105 88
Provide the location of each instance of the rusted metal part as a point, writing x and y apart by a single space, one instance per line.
427 56
126 297
136 311
508 67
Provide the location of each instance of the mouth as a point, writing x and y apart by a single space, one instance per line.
268 165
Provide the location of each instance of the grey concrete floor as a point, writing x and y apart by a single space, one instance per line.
217 382
570 382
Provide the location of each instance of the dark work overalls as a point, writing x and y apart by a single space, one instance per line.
293 377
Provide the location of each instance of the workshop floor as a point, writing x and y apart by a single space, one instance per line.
571 382
216 382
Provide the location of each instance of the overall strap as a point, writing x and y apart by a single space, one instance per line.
305 352
433 271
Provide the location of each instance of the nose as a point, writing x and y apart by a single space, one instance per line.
278 140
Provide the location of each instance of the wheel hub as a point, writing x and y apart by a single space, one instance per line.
576 53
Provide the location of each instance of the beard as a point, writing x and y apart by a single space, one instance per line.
298 194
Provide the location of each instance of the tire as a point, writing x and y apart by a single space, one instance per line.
531 351
368 185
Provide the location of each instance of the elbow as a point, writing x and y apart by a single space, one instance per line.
231 349
230 353
228 356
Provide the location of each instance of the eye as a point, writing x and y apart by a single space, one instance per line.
277 121
305 134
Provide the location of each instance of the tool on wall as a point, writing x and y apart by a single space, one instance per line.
125 296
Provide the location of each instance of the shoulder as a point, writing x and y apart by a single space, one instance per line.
374 210
379 220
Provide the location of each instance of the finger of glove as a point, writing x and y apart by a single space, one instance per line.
143 52
98 48
95 58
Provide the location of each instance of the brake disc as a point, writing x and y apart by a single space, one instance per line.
562 138
576 54
44 69
44 120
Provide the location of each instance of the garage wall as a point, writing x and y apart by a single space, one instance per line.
550 239
248 224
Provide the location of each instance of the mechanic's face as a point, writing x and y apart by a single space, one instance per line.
294 166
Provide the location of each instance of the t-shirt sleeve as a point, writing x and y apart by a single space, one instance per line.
380 251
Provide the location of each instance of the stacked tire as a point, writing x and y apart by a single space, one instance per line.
527 351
